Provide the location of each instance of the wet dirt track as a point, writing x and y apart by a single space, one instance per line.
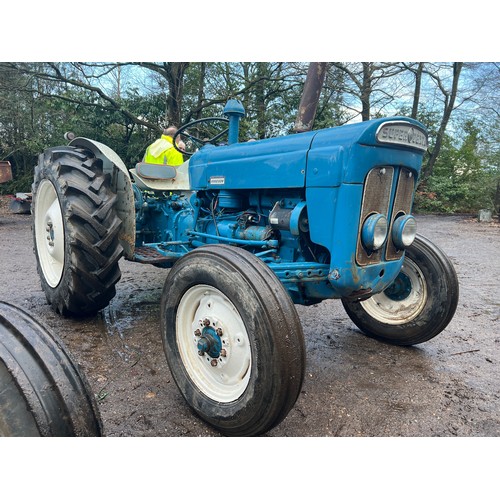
354 386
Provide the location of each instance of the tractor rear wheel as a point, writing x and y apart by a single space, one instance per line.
233 339
75 231
418 305
42 391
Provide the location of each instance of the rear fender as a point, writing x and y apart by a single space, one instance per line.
121 185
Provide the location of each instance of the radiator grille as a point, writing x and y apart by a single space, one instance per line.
402 206
376 199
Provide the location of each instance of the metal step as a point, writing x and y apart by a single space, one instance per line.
148 255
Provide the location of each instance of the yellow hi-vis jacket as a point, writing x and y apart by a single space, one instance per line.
162 152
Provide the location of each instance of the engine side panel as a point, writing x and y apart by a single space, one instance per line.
268 164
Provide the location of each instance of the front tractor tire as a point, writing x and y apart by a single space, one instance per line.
418 305
75 231
233 339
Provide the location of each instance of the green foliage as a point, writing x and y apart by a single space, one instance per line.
35 116
20 184
462 181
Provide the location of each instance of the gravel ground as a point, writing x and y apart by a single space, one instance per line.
354 386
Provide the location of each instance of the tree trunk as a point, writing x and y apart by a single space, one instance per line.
449 103
118 79
260 102
497 200
201 90
175 77
416 94
366 90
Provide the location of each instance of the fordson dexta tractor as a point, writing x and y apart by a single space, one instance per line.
248 229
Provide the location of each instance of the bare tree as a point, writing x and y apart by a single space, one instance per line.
75 75
449 99
418 86
368 79
201 89
173 73
89 77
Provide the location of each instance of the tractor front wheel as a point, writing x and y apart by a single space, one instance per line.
418 305
42 391
233 339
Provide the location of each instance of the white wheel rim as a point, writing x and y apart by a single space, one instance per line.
383 308
49 233
225 378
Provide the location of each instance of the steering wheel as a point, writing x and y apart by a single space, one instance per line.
194 140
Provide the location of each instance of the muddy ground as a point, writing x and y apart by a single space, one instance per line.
354 386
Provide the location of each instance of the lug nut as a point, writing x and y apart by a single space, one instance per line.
219 332
200 353
213 362
197 332
223 353
206 322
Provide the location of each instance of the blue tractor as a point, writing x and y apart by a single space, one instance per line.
248 229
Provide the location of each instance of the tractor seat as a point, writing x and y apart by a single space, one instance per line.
155 172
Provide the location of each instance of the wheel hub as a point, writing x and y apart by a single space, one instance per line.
209 342
49 228
403 300
400 289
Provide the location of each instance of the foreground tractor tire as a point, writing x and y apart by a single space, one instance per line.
233 339
75 231
42 392
418 305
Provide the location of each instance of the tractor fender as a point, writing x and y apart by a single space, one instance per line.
120 184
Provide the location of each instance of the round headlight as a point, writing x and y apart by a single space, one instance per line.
374 232
404 231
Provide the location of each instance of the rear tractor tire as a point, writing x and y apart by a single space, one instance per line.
75 231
